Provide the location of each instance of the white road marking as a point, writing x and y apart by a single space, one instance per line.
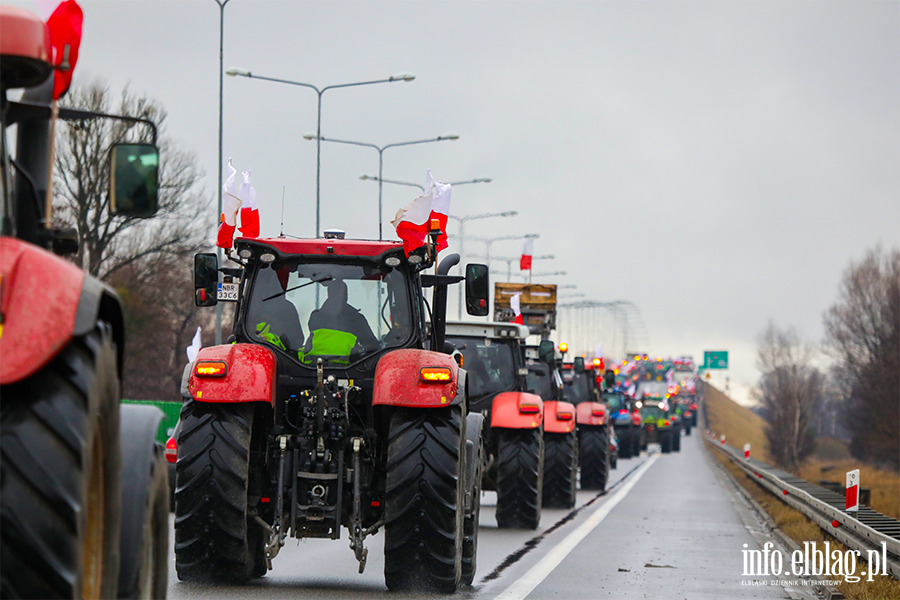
524 586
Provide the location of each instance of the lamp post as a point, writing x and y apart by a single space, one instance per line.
410 184
221 4
314 136
509 260
234 72
462 236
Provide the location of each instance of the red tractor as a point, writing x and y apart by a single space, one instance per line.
333 405
82 481
594 425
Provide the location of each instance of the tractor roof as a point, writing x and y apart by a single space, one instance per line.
24 47
324 246
487 330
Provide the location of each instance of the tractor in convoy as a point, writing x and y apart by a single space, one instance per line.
515 420
82 480
333 404
594 426
626 420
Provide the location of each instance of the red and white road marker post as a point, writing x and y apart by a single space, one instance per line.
722 439
747 451
852 491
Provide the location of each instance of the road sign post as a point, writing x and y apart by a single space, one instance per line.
852 503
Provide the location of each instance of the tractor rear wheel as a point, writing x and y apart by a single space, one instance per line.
665 441
594 458
676 439
425 500
560 469
520 474
60 502
212 528
625 443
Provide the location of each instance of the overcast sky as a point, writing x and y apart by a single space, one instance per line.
717 163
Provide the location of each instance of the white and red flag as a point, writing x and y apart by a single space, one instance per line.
250 210
516 306
194 349
65 23
527 254
413 221
231 204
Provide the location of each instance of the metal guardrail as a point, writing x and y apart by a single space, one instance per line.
866 531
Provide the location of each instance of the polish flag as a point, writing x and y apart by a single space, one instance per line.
527 253
231 204
249 213
65 37
413 221
194 349
440 207
515 305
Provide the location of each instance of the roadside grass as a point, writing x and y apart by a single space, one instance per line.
799 528
741 425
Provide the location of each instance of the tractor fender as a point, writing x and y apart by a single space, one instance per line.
587 416
398 381
505 411
553 410
140 452
249 376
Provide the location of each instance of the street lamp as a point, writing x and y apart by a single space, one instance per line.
221 4
410 184
509 260
462 237
441 138
235 72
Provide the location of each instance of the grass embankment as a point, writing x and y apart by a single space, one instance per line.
741 425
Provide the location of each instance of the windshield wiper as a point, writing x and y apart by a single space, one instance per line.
302 285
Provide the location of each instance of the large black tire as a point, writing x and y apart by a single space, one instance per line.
425 500
636 442
474 471
520 474
665 441
625 443
60 501
594 458
676 439
687 427
212 527
560 469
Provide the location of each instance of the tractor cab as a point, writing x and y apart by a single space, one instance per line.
543 377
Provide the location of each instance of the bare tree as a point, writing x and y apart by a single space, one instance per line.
863 334
789 390
147 261
81 182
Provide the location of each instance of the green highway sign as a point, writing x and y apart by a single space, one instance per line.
715 359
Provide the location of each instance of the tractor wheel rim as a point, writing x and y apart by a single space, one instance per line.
94 533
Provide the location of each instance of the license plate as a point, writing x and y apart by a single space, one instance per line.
228 292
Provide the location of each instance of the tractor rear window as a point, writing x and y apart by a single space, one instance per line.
339 312
540 382
614 400
576 389
489 363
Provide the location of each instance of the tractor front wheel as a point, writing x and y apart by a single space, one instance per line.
425 500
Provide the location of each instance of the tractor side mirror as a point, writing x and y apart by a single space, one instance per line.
546 351
477 288
133 180
578 364
609 378
206 279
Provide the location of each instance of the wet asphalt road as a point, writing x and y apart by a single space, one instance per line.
668 526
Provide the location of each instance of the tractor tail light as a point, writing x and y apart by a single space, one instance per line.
211 368
564 416
687 413
693 407
598 412
171 450
529 408
665 422
436 374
